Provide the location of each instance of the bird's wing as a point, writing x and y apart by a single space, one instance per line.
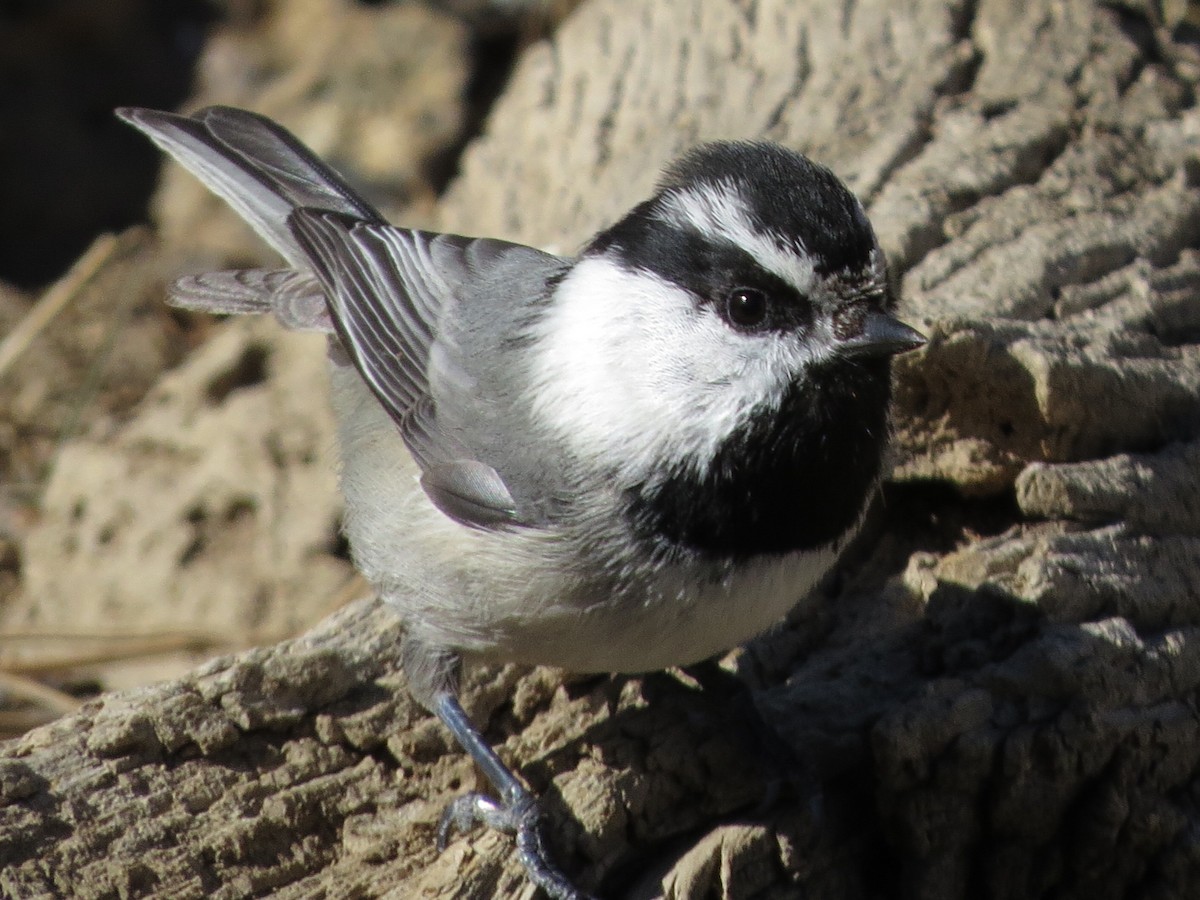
388 290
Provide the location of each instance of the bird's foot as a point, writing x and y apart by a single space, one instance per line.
520 817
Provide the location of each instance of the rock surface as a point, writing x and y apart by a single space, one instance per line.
996 695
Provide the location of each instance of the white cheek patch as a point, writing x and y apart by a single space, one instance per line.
719 213
629 368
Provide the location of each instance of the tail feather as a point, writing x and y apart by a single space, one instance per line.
295 298
254 165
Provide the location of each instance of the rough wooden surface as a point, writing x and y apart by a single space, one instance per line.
998 694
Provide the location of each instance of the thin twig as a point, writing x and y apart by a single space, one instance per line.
130 648
38 694
16 722
51 634
55 299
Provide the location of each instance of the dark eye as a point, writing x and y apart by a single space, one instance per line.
746 307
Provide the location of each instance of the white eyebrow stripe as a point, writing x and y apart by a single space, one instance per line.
719 213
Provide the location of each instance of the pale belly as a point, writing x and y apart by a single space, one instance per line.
530 596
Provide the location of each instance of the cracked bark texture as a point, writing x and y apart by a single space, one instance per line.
996 695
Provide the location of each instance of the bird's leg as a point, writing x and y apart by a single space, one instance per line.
516 812
433 678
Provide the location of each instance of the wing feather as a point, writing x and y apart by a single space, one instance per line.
385 291
389 289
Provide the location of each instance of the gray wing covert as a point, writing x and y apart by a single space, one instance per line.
388 289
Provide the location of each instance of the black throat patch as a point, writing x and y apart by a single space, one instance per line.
794 478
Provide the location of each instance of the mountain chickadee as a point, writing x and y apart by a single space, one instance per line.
627 460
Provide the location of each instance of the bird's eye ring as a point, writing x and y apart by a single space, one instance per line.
746 307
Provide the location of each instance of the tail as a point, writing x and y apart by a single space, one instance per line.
255 166
263 172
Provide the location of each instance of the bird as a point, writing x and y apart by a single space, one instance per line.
625 460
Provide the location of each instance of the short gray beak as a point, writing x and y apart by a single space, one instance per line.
881 335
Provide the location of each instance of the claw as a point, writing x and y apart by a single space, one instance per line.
465 812
531 848
523 819
459 815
